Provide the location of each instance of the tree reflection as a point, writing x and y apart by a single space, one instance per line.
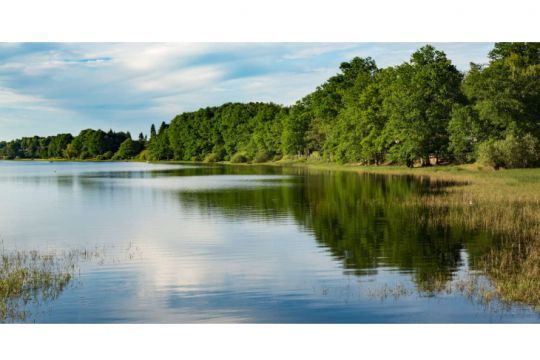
366 221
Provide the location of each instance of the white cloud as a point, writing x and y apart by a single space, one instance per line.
180 80
10 98
130 85
311 50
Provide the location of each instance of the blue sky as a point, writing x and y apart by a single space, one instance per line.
47 88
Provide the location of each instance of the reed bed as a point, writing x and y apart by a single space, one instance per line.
505 204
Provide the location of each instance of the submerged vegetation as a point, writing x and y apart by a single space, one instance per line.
30 278
423 111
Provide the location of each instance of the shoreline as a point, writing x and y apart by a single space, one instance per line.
505 203
450 171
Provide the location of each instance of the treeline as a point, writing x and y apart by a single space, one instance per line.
423 111
89 144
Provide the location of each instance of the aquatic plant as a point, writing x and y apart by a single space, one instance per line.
30 277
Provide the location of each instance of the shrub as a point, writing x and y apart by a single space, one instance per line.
261 156
315 156
108 155
489 153
144 155
512 152
210 158
290 157
239 158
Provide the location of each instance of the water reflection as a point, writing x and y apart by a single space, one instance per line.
358 217
244 244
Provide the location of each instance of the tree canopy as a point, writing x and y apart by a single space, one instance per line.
423 111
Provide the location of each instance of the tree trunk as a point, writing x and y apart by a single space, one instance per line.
409 163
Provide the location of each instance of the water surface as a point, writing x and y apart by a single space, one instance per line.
184 244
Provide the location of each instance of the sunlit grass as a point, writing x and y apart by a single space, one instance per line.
505 203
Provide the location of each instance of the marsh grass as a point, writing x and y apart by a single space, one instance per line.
384 292
473 286
512 215
504 204
29 279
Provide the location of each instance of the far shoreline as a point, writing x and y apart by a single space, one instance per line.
452 170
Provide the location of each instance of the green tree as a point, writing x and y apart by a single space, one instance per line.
360 121
128 149
504 97
418 104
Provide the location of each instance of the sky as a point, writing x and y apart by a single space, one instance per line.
50 88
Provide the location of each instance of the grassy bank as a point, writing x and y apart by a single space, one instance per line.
505 203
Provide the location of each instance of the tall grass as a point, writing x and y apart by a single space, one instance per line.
504 203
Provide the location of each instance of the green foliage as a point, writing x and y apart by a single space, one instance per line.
92 143
58 144
261 157
239 158
159 145
358 126
512 152
506 93
465 132
89 144
421 110
225 131
128 149
418 102
315 156
211 158
144 155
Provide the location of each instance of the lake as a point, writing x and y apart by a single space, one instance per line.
230 244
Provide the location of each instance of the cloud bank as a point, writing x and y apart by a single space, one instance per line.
48 88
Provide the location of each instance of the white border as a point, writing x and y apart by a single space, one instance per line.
277 20
269 20
269 342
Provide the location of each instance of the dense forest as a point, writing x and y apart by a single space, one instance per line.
424 111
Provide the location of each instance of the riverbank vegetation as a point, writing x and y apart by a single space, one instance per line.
505 204
421 112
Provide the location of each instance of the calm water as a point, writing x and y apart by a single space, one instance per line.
187 244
